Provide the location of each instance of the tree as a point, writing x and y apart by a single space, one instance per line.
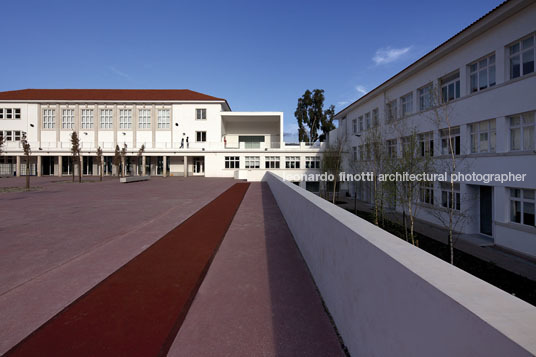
27 154
332 159
117 159
312 117
99 162
140 158
75 152
123 161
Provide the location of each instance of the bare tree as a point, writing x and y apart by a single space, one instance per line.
27 155
332 159
75 152
140 158
123 160
117 159
100 162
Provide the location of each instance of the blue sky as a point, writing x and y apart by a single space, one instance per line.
257 55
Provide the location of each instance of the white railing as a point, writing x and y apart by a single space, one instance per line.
389 298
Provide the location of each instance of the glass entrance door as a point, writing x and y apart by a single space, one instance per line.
199 165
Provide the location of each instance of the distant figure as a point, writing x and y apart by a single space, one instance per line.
182 143
187 143
224 142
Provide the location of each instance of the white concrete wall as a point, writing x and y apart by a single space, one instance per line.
389 298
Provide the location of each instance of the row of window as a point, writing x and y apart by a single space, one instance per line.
482 139
106 118
272 162
9 113
449 199
10 135
481 75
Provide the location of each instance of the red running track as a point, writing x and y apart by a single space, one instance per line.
138 310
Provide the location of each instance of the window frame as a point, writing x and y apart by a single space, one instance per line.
523 129
475 136
272 162
86 118
519 53
475 70
445 83
252 162
67 119
144 118
202 134
406 105
232 162
163 118
202 111
106 119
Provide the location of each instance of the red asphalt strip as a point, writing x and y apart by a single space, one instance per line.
138 310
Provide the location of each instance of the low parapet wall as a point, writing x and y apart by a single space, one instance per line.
389 298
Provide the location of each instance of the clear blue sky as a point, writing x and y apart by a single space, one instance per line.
257 55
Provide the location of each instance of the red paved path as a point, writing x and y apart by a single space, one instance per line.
258 298
138 309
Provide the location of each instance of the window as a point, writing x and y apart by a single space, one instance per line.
16 135
312 186
450 87
200 114
375 117
87 118
67 119
8 135
16 112
391 148
522 132
482 73
425 97
449 200
426 192
312 162
354 153
9 113
163 118
367 120
144 119
253 162
361 152
271 162
292 162
522 206
522 57
201 136
406 103
483 136
106 119
447 143
426 144
360 119
49 120
354 126
125 119
392 109
232 162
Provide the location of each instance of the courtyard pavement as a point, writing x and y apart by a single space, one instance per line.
61 240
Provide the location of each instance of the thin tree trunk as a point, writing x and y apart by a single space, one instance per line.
72 167
79 169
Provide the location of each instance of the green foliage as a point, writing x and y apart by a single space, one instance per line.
312 117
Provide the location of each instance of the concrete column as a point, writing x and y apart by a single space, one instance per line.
143 162
164 164
186 166
18 166
60 166
39 166
81 163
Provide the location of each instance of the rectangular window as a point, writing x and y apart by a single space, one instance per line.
87 118
406 104
367 121
8 135
426 193
391 148
271 162
200 114
375 117
522 206
125 119
106 119
448 199
312 162
354 153
163 118
1 113
450 87
201 136
522 132
16 135
9 113
482 73
483 136
67 119
354 126
49 119
450 142
361 152
425 97
253 162
426 144
144 119
360 119
292 162
521 56
392 110
232 162
17 113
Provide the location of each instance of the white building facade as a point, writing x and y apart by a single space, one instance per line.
184 133
484 77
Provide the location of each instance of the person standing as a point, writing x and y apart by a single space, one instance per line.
182 143
187 143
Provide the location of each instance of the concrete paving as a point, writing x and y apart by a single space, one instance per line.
61 240
258 298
